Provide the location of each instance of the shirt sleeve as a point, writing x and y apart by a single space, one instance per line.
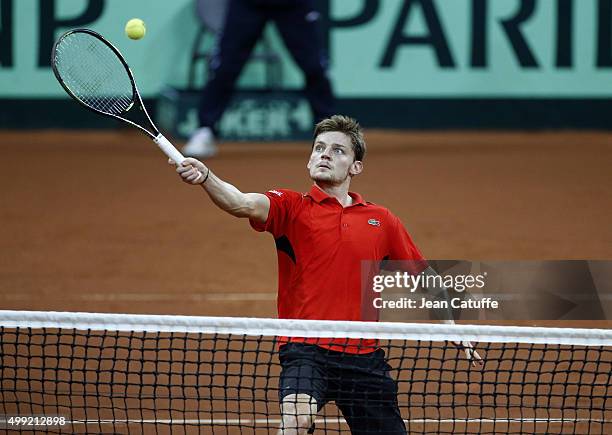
282 202
402 248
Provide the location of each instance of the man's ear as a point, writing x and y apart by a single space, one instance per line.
356 168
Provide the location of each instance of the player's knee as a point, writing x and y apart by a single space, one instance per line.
296 424
303 421
295 417
298 412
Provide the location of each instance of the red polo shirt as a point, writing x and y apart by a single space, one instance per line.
320 247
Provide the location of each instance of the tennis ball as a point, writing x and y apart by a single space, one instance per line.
135 28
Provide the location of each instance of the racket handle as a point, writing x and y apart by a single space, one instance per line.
168 149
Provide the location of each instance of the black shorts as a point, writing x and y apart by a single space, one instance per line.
359 384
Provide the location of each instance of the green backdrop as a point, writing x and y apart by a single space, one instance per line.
419 57
364 61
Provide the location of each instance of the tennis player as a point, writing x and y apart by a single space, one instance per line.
321 237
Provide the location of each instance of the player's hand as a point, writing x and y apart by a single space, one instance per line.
192 171
470 352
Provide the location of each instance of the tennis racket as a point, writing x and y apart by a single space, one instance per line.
93 72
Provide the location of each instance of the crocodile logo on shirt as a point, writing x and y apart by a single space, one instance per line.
374 222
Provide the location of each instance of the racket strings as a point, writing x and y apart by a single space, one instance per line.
93 72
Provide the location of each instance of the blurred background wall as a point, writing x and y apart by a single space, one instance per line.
394 63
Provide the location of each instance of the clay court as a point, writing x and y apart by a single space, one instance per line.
98 222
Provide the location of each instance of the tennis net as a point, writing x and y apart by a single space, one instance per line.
118 373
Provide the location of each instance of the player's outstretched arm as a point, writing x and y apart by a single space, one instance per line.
226 196
440 293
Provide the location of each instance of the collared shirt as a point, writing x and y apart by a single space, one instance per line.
321 246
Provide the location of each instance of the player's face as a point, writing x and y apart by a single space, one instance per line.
332 159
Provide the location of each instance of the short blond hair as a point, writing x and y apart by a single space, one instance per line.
348 126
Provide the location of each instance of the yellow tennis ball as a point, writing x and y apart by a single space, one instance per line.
135 28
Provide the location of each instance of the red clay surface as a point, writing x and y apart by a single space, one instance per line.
99 222
95 221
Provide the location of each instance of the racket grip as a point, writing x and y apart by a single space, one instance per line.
168 149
